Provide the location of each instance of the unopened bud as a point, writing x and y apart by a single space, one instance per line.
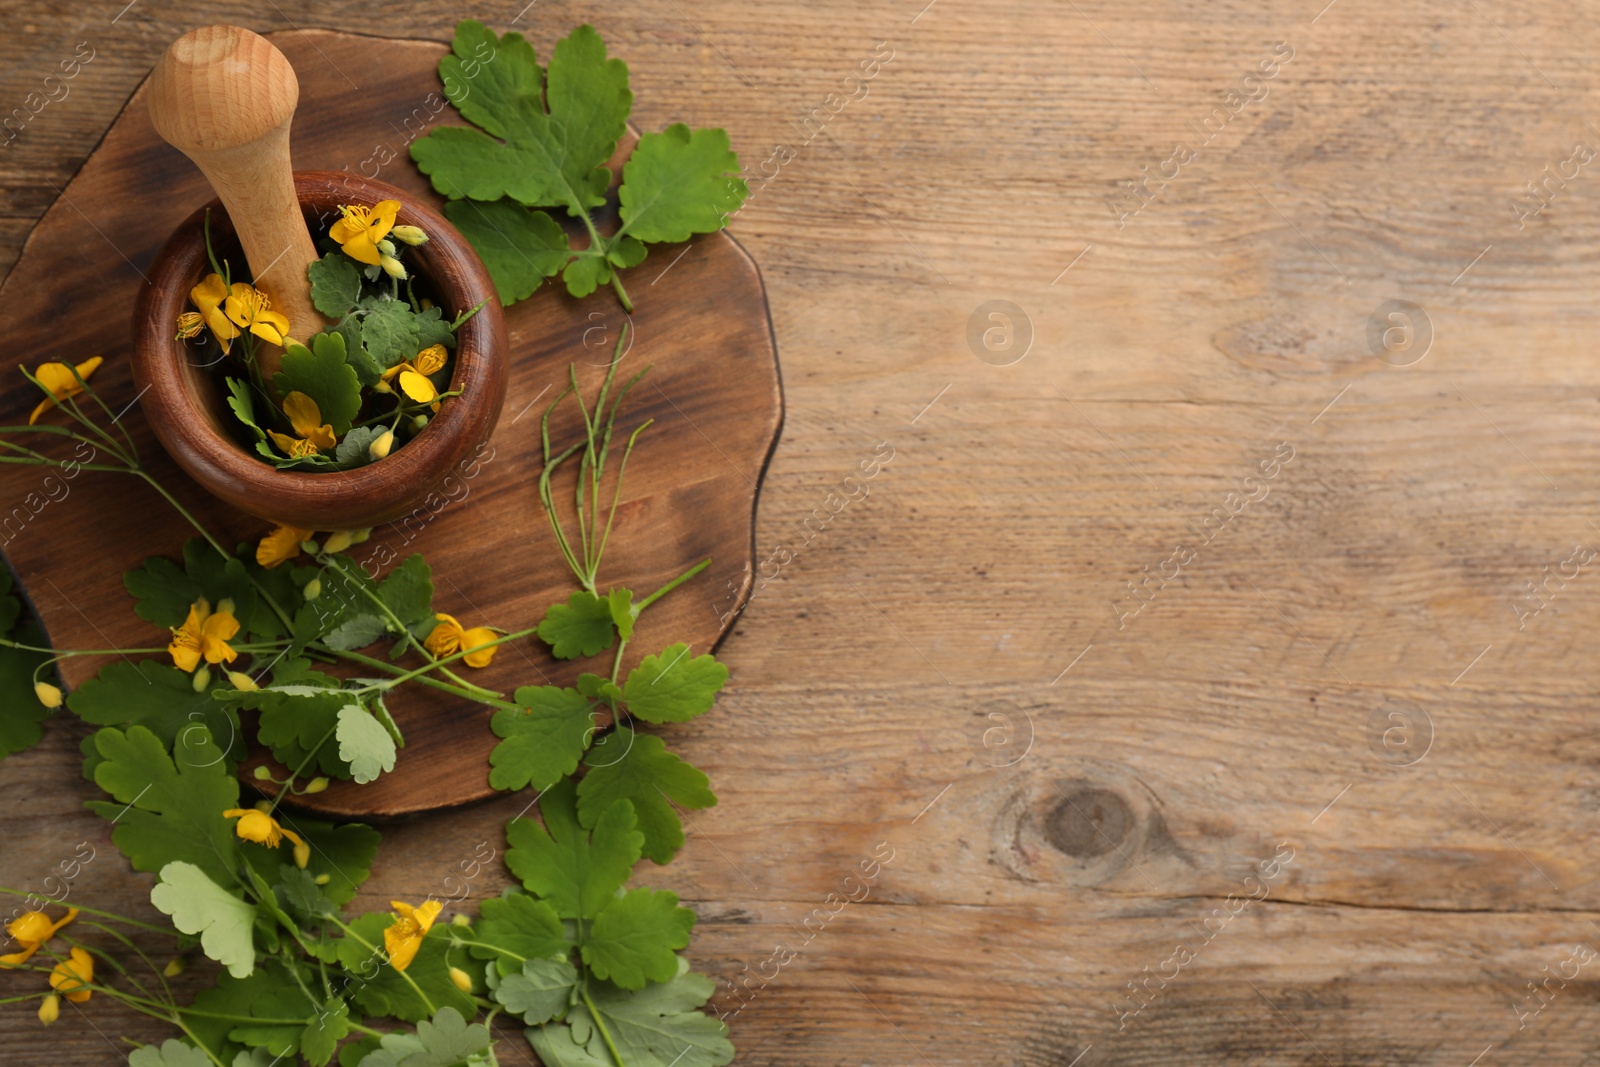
309 547
393 267
461 979
323 879
225 606
381 386
358 536
242 682
173 969
418 422
264 805
459 919
316 785
386 246
411 235
48 694
337 542
312 589
202 678
262 774
379 448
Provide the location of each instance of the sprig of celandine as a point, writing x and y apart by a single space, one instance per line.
591 970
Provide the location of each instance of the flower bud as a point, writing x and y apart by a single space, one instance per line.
48 694
337 541
316 785
382 387
323 879
458 919
262 774
225 606
411 235
202 678
418 422
173 969
358 536
309 547
312 589
379 448
461 979
393 267
242 682
264 805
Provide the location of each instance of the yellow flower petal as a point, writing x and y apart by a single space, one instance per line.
256 826
364 249
72 975
281 545
50 1009
445 640
60 380
186 645
417 387
210 293
304 415
478 635
431 360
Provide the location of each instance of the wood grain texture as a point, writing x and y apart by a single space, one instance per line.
713 385
1167 363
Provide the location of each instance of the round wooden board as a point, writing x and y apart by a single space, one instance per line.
701 319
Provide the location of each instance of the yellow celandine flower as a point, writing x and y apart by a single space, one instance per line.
249 309
190 323
306 418
72 976
404 937
361 228
31 930
281 545
208 297
256 825
50 1009
413 374
62 383
449 637
204 634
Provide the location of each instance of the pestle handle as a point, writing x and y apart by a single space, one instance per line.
224 97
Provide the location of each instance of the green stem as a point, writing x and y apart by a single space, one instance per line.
638 608
303 765
616 664
420 671
421 679
493 948
8 891
600 1025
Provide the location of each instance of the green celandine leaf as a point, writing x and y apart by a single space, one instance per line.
297 720
659 1026
619 603
586 274
170 1053
544 741
352 448
364 743
521 925
389 331
447 1041
297 891
671 687
161 699
434 329
540 991
377 988
324 374
543 143
520 247
678 183
580 627
165 591
199 905
335 284
243 406
236 1011
636 936
344 853
576 871
408 591
649 777
167 811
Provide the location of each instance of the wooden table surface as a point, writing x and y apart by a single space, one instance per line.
1320 787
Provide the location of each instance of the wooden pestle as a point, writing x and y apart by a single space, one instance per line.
224 97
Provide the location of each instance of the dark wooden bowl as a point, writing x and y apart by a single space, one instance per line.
185 406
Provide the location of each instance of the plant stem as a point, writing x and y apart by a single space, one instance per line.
600 1025
412 982
8 891
638 608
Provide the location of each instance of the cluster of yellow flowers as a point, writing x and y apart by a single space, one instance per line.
70 978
